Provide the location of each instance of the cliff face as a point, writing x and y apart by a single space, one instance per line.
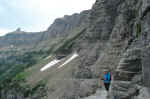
118 38
64 26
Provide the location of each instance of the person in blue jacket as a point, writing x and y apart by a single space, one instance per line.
107 80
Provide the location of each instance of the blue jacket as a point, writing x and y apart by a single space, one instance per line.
107 77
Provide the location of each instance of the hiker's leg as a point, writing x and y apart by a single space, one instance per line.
106 86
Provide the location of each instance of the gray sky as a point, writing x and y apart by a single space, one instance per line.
37 15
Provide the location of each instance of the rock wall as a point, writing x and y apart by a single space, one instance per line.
65 26
117 38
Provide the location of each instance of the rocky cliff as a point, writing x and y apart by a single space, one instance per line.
117 38
64 26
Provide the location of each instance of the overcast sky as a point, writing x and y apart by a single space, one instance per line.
37 15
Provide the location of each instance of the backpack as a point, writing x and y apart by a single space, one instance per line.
107 77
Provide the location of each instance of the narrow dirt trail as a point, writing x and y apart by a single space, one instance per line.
100 94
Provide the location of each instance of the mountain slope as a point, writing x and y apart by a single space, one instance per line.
115 36
19 39
22 50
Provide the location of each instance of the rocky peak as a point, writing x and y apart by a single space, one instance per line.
63 26
18 31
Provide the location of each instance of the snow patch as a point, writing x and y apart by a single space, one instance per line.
49 65
55 61
69 60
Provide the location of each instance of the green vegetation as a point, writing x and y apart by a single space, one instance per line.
41 83
15 64
13 74
21 76
26 90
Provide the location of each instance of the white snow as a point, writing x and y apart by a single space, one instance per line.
69 60
55 61
49 65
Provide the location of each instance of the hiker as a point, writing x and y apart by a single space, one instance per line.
107 80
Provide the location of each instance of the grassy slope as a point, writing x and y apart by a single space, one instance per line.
55 78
